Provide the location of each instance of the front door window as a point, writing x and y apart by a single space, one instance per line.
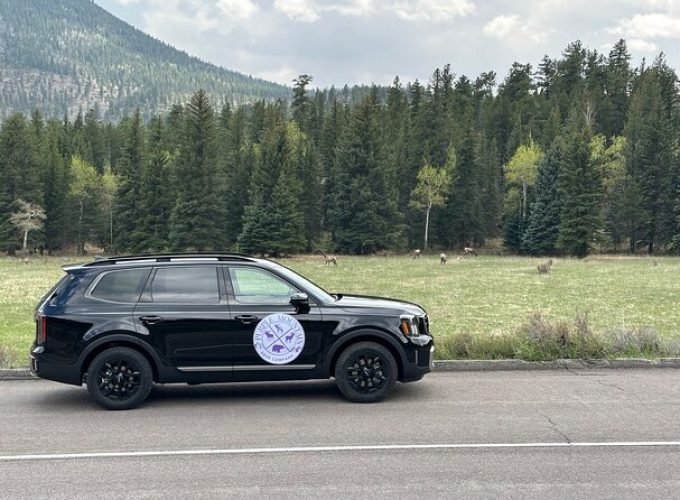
252 286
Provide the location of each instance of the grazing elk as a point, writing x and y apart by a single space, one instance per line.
416 253
469 251
329 259
442 258
545 267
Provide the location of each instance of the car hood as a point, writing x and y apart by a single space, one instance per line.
378 304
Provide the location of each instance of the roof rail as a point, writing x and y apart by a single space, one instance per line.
168 257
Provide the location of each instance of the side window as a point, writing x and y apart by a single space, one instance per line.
252 286
186 285
120 286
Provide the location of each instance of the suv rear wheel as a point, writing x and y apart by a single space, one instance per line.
119 378
366 372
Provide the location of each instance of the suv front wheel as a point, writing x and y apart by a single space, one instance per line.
366 372
119 378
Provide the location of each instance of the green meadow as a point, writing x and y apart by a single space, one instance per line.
471 301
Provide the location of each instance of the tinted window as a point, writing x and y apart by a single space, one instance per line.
252 286
186 285
120 286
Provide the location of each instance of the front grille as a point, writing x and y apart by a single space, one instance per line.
424 324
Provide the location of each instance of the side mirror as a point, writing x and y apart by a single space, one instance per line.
299 299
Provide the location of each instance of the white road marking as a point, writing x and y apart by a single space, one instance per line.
324 449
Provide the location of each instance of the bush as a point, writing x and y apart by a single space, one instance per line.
4 357
543 340
642 342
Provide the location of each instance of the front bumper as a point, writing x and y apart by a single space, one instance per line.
421 363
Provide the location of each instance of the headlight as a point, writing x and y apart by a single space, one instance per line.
409 325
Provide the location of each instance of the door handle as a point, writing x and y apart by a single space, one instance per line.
246 319
150 320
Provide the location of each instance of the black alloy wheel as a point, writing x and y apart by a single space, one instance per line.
366 372
119 378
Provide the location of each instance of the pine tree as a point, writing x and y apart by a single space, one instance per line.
649 161
273 222
580 188
254 236
55 188
128 233
287 233
239 163
364 216
540 236
197 218
301 106
465 225
155 193
19 174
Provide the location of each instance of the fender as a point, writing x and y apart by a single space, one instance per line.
120 337
122 325
374 332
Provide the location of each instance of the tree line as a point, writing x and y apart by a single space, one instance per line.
580 155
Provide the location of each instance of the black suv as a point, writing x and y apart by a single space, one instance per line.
120 324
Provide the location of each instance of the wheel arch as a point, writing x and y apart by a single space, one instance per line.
120 339
366 335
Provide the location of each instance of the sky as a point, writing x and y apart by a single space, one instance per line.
372 41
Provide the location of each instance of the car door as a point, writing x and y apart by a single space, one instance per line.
271 338
185 312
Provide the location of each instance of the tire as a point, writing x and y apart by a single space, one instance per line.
119 378
366 372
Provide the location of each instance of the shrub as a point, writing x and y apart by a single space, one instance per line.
4 357
639 342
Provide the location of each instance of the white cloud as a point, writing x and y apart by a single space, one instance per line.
355 7
305 11
310 11
649 26
432 10
512 27
237 9
285 75
639 45
501 26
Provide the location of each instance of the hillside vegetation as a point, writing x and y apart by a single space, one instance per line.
69 55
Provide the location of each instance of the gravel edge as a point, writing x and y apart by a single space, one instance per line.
472 365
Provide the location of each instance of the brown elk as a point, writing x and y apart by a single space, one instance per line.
416 253
469 251
442 258
545 267
329 259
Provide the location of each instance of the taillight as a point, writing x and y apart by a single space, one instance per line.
42 329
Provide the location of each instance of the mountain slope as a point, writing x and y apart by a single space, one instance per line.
64 55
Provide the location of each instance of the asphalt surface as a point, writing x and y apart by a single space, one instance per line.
249 440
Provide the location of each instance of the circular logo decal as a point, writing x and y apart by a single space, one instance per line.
279 338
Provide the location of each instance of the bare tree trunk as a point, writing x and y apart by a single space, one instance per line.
427 224
111 231
25 240
524 200
79 248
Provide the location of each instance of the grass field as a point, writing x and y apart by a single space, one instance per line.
478 298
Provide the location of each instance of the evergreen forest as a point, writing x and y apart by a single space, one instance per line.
576 155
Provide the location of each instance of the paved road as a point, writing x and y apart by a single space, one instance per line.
552 409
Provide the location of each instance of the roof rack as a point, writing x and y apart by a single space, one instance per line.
168 257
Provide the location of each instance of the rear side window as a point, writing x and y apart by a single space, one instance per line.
120 286
185 285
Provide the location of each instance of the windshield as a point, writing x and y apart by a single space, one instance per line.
304 283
